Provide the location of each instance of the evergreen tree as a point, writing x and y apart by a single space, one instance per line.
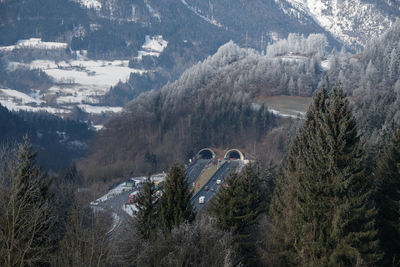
70 175
27 215
175 206
388 202
323 209
86 241
147 214
237 208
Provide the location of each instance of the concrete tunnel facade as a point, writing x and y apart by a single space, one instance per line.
234 154
206 153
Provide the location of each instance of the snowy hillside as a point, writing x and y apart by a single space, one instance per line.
77 82
33 43
153 46
352 21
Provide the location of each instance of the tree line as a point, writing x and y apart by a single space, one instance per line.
330 203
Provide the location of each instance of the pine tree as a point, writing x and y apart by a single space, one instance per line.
323 209
147 214
86 241
27 215
388 202
175 206
237 208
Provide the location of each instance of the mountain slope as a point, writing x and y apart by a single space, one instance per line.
354 22
216 103
258 21
59 142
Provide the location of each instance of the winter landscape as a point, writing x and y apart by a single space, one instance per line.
200 133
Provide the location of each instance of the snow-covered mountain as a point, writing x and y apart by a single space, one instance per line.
353 22
143 44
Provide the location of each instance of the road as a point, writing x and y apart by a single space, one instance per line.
114 206
194 170
211 188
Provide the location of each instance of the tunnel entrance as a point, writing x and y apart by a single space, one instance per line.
234 154
206 154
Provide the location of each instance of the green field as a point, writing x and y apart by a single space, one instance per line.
287 105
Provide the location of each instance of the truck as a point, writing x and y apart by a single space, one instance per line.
202 199
132 197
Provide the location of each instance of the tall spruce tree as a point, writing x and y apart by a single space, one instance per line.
175 206
27 215
237 208
388 202
323 209
147 214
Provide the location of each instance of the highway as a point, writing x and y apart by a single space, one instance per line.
114 206
195 169
211 188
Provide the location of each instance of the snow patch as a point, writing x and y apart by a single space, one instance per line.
18 96
16 101
112 193
153 12
153 46
123 187
287 115
34 43
90 4
17 107
116 222
325 65
354 22
99 109
198 13
130 209
98 127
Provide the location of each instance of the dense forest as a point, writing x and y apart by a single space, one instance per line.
331 202
211 104
238 77
319 189
59 141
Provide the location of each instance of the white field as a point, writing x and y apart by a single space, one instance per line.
102 74
19 96
99 109
16 101
79 82
34 43
153 46
286 106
